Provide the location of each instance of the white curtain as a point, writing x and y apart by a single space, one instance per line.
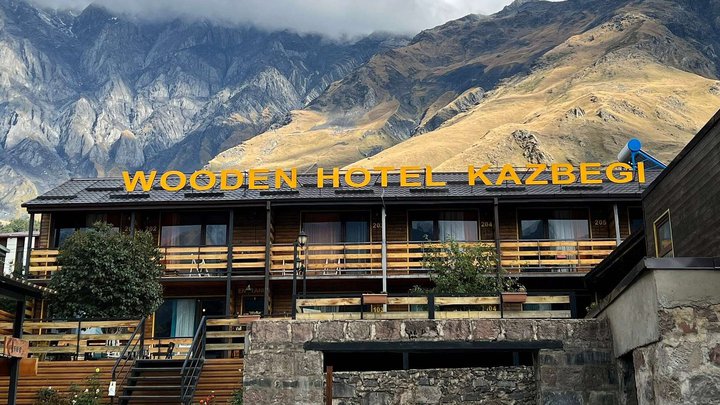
184 318
452 225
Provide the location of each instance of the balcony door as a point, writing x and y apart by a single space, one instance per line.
331 228
549 224
178 317
193 229
460 226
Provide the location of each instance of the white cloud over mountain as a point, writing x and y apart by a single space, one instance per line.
331 17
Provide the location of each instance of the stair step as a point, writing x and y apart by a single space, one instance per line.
145 369
152 387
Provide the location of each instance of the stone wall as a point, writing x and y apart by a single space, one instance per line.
278 369
500 385
684 366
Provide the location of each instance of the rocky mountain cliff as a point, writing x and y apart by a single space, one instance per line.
91 94
538 81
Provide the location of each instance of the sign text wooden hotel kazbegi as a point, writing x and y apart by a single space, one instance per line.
358 177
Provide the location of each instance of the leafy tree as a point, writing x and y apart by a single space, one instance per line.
18 225
465 269
106 274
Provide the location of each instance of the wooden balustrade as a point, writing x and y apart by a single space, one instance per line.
554 256
69 339
60 340
201 261
414 307
354 259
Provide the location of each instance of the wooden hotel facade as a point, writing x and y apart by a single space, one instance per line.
231 252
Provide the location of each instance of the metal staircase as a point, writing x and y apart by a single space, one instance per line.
139 380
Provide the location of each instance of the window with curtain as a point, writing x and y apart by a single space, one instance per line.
192 229
444 225
178 317
332 227
552 224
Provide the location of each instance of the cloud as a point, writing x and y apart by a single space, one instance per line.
330 17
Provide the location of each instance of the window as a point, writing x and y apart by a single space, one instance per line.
336 227
190 229
66 225
178 317
444 225
554 224
663 236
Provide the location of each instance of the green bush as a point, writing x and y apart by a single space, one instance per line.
106 274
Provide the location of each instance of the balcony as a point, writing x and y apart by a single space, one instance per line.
177 262
404 259
433 307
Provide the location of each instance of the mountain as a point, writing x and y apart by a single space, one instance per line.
537 82
91 93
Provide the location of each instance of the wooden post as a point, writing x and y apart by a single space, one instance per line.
132 224
228 279
268 258
496 214
329 385
383 251
616 216
18 333
29 244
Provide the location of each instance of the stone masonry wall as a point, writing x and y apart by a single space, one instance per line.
278 370
684 366
501 385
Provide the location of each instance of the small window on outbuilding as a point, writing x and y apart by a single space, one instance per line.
663 236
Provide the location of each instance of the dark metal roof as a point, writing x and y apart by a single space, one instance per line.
110 192
19 289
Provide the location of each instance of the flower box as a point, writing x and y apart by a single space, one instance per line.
518 297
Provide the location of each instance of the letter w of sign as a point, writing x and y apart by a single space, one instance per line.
146 182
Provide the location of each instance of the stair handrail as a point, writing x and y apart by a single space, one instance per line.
132 350
192 366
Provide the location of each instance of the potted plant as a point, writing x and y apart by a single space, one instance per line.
513 292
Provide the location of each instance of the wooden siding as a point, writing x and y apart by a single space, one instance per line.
690 192
286 223
223 376
43 240
396 222
249 227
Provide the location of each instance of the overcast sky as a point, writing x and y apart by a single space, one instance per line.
330 17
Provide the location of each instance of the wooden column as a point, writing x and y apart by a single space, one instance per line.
268 257
132 223
29 244
496 214
616 217
228 279
383 251
15 361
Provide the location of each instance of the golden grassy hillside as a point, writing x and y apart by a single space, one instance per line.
584 98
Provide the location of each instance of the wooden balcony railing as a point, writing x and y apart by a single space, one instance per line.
201 261
554 256
404 258
355 259
425 307
80 340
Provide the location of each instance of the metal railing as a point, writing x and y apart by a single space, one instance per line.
192 366
133 350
